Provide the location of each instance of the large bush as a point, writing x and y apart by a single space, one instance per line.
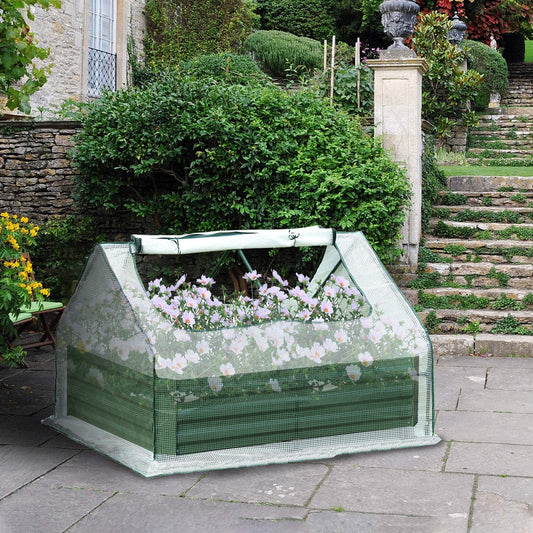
447 87
492 66
306 18
204 155
279 51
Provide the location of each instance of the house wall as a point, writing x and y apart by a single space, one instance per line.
65 32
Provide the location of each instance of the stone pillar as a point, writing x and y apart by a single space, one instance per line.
398 122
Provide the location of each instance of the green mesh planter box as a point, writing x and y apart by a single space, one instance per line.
162 399
250 415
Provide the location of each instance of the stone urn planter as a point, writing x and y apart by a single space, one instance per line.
398 18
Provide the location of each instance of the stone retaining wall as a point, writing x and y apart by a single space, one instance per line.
35 171
36 176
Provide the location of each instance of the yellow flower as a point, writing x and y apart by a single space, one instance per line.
33 232
25 220
45 292
28 288
24 231
4 215
15 216
23 275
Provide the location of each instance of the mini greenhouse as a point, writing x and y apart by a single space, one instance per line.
166 389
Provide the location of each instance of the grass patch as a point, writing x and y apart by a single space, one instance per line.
529 52
475 170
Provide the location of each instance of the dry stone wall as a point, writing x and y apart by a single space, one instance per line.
36 177
35 170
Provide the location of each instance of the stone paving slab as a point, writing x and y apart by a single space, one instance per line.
429 458
503 505
467 426
496 400
512 363
450 381
493 459
291 484
26 393
20 465
90 470
24 431
507 379
333 522
128 512
32 510
402 492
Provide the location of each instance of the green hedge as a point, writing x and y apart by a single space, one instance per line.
203 155
279 51
307 18
491 65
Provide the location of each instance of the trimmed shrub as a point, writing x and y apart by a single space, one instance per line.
279 51
202 155
491 65
306 18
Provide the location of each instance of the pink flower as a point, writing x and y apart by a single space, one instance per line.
205 281
188 318
251 276
326 307
302 279
281 281
262 313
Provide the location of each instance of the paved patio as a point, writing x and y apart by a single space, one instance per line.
478 479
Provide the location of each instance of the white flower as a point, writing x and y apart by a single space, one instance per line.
202 347
340 336
121 347
316 352
215 383
178 363
162 363
354 372
366 322
181 335
192 356
331 346
227 369
97 375
366 359
274 383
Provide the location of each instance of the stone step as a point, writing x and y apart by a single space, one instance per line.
482 141
484 274
500 152
508 110
483 184
485 212
483 344
509 136
504 161
501 295
493 227
502 122
458 320
493 251
500 199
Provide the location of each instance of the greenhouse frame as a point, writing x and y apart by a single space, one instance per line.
162 398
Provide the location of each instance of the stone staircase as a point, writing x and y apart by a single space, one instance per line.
474 289
504 136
